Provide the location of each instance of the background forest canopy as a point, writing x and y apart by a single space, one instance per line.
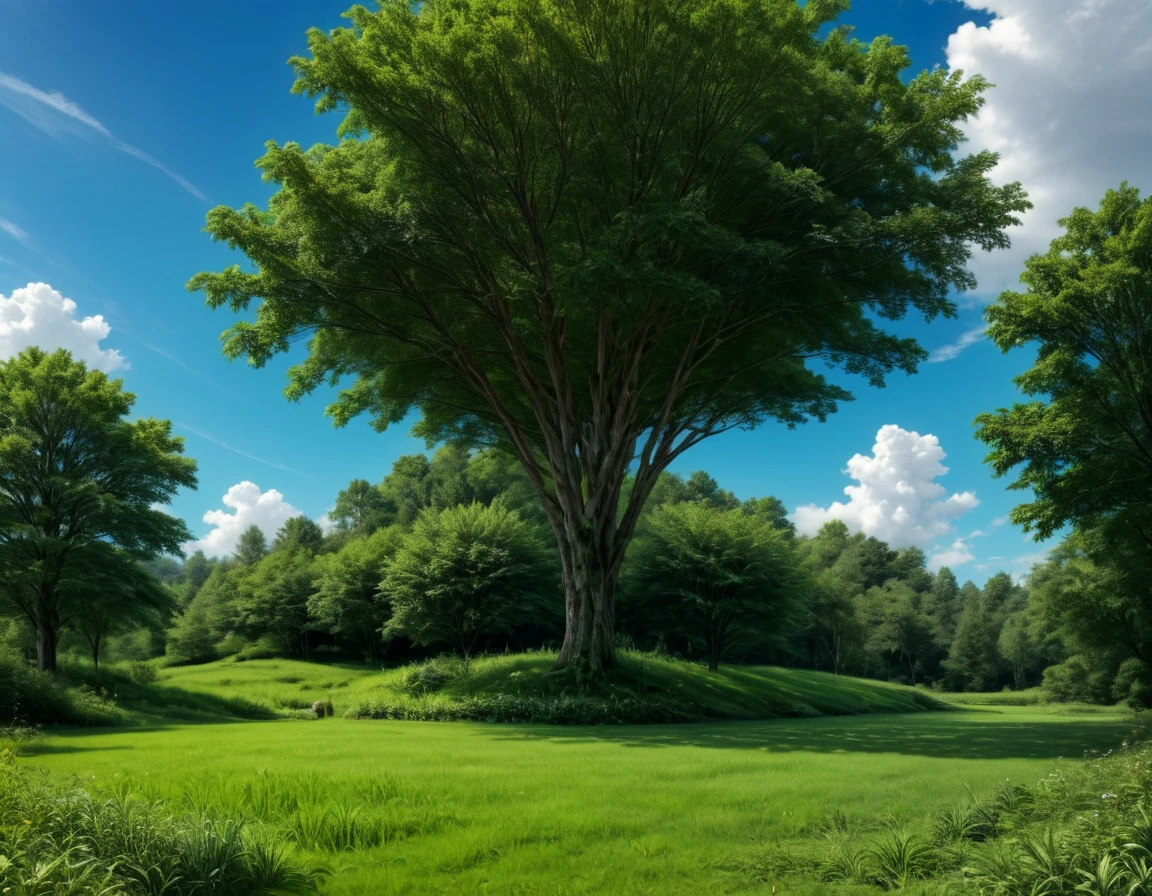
453 553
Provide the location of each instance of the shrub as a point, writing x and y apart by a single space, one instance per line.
1074 681
142 673
29 697
1133 684
426 678
558 710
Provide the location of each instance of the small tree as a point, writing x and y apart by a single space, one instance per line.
361 509
252 546
347 601
272 599
718 577
75 475
118 594
972 662
299 533
465 572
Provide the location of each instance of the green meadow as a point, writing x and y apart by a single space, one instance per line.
418 807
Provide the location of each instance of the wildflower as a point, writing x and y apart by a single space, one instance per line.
1107 796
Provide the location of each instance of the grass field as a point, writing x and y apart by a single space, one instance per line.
421 808
735 692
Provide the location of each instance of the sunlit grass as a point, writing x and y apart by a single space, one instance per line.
738 692
405 807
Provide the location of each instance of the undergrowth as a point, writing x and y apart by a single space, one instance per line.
57 838
1084 831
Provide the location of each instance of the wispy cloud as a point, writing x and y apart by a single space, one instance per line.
168 356
227 447
13 231
953 349
32 104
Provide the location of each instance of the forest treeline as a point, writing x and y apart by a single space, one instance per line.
453 553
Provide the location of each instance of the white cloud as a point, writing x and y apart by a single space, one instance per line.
959 553
953 349
896 499
38 315
55 114
1071 112
999 521
250 507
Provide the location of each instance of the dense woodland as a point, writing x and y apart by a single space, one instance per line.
452 554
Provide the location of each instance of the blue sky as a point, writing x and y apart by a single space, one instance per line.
120 127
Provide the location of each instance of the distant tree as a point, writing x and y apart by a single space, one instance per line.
196 570
272 599
407 487
167 570
1018 647
896 627
77 476
448 483
833 619
118 595
208 618
772 511
347 601
973 661
584 235
252 546
910 566
944 604
361 509
299 533
465 572
718 577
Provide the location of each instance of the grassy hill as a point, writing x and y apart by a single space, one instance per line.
524 687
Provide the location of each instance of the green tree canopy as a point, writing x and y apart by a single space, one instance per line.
77 477
463 573
717 577
299 533
347 600
252 546
1083 447
597 233
361 509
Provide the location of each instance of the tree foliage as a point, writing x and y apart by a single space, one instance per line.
598 233
78 481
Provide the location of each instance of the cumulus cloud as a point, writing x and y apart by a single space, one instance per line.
38 315
896 498
1070 115
953 349
249 507
56 115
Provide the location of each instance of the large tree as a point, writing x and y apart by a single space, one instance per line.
77 477
597 232
1082 447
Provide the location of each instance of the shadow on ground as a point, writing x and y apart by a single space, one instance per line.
960 735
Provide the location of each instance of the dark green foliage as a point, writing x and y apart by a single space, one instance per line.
581 234
716 577
346 600
361 509
561 710
79 487
31 697
466 572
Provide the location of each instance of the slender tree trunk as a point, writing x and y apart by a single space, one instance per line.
46 641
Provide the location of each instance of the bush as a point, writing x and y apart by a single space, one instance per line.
559 710
426 678
266 648
61 839
141 672
29 697
1133 684
1074 681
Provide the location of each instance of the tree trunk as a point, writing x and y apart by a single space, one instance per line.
590 579
46 640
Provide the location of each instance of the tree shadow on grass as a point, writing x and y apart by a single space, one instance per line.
951 736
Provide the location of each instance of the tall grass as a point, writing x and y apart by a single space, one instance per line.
58 838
